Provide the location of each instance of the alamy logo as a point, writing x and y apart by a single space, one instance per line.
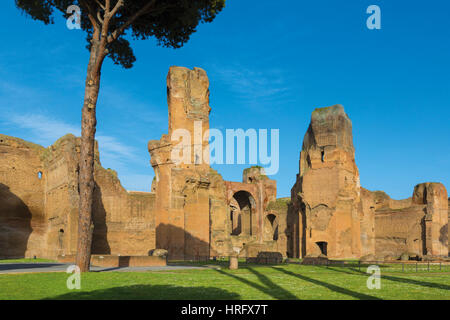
74 281
74 21
374 20
208 147
374 281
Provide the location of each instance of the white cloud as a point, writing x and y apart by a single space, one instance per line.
112 149
261 85
47 130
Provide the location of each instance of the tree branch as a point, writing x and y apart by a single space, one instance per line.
116 33
100 4
107 6
99 17
91 16
102 50
118 5
107 18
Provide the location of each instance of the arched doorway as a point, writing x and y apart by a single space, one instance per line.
242 206
323 247
271 227
61 241
235 218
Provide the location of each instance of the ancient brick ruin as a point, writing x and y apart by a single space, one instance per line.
331 214
194 214
39 204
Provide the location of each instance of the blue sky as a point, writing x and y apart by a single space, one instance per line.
270 63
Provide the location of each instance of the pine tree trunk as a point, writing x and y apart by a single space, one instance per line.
86 173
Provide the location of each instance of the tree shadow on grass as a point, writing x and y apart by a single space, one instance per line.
20 266
270 288
330 286
150 292
399 279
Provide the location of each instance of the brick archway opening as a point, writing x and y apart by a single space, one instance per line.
272 226
242 206
323 246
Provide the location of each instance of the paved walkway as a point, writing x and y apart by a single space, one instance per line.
7 268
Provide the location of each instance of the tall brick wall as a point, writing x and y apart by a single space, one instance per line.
326 196
417 225
39 204
22 212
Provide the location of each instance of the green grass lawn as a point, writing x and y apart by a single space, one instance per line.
249 282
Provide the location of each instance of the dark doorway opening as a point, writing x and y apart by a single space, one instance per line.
61 240
272 219
323 247
236 223
242 206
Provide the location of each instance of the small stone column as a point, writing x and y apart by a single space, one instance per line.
234 263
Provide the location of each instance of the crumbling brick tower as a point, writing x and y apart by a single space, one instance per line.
325 210
434 197
185 190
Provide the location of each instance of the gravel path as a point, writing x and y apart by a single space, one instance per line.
8 268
